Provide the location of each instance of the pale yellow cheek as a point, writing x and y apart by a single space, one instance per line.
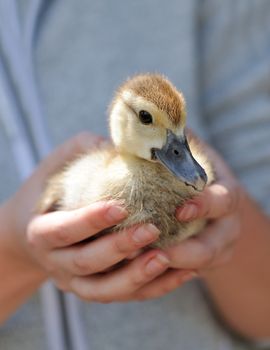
139 141
131 136
144 150
118 124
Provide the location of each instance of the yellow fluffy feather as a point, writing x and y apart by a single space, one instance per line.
128 172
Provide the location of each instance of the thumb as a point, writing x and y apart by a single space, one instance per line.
216 201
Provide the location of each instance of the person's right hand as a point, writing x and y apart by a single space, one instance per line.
51 245
57 245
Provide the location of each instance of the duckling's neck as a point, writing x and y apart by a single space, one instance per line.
132 157
135 162
143 171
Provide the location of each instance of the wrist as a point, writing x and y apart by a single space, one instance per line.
13 245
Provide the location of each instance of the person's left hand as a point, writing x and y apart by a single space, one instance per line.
220 204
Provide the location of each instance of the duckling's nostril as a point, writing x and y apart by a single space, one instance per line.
203 176
153 154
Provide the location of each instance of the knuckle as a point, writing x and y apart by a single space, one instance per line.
120 245
62 235
137 280
80 264
96 222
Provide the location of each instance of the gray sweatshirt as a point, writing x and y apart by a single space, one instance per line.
62 60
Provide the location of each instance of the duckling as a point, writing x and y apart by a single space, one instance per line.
150 167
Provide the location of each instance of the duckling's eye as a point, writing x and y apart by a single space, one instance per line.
145 117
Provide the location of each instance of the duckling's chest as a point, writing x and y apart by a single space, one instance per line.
151 194
150 185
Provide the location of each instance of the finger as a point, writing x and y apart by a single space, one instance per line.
64 228
217 200
220 239
164 284
117 285
202 250
104 252
222 259
134 254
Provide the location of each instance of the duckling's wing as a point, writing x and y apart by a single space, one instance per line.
92 177
80 183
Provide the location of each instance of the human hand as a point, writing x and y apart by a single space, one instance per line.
51 244
21 207
231 254
84 268
55 247
220 203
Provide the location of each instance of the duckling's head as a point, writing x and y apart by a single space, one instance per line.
147 120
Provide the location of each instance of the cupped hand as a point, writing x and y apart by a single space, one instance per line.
220 203
57 245
85 268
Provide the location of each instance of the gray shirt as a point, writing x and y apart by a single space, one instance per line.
217 54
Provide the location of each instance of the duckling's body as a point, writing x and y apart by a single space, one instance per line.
148 190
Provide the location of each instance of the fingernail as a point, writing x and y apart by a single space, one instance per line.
157 264
189 276
146 233
116 213
188 212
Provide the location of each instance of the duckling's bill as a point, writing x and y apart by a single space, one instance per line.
176 156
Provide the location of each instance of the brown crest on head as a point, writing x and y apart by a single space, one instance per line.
158 90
